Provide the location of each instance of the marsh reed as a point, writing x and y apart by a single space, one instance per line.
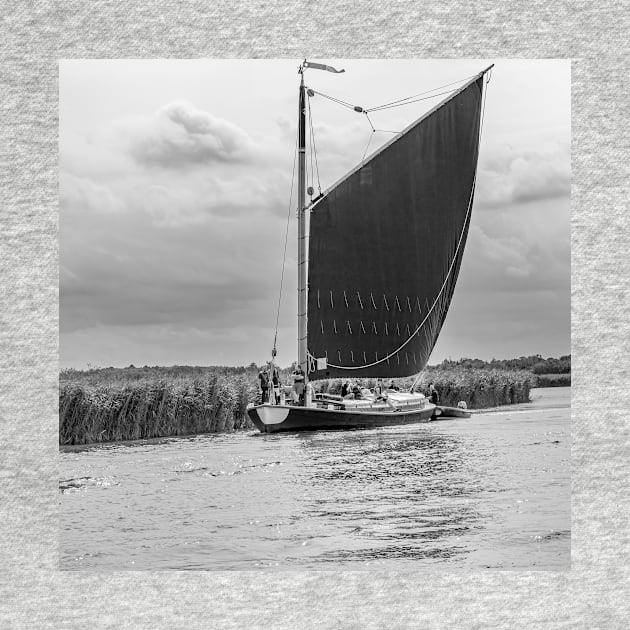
131 404
478 388
133 410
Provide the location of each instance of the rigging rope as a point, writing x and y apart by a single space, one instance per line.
398 103
374 130
417 100
286 238
332 98
401 101
313 147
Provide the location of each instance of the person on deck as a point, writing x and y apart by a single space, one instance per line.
378 388
433 394
344 389
298 385
275 384
263 376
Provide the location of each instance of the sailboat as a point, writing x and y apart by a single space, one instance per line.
385 245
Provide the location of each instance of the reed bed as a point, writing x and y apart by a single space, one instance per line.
113 411
478 388
104 407
553 380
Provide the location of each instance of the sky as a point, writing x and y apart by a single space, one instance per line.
175 184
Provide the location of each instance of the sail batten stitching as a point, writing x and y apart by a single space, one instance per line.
461 236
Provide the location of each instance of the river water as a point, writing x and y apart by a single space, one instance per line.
492 491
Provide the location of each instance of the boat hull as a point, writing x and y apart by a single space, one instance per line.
276 418
454 412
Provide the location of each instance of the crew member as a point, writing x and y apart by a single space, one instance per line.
433 394
275 382
298 385
263 376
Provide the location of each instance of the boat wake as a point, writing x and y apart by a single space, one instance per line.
81 483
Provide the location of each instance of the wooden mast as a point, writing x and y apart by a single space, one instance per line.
302 263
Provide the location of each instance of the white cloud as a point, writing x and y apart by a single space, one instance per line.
509 174
180 135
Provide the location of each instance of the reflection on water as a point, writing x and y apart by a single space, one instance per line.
391 483
489 491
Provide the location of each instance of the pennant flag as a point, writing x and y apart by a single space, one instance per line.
320 66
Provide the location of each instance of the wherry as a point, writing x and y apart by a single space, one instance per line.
385 247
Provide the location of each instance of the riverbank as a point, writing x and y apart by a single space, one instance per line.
111 406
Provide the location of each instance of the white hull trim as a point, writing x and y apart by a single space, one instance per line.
272 414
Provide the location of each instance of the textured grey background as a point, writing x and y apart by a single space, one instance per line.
34 594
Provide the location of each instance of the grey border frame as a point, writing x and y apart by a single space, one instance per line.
34 594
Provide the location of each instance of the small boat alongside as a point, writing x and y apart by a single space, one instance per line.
453 412
378 258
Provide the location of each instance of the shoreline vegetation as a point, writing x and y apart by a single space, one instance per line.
119 404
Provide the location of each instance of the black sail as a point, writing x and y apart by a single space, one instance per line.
386 244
